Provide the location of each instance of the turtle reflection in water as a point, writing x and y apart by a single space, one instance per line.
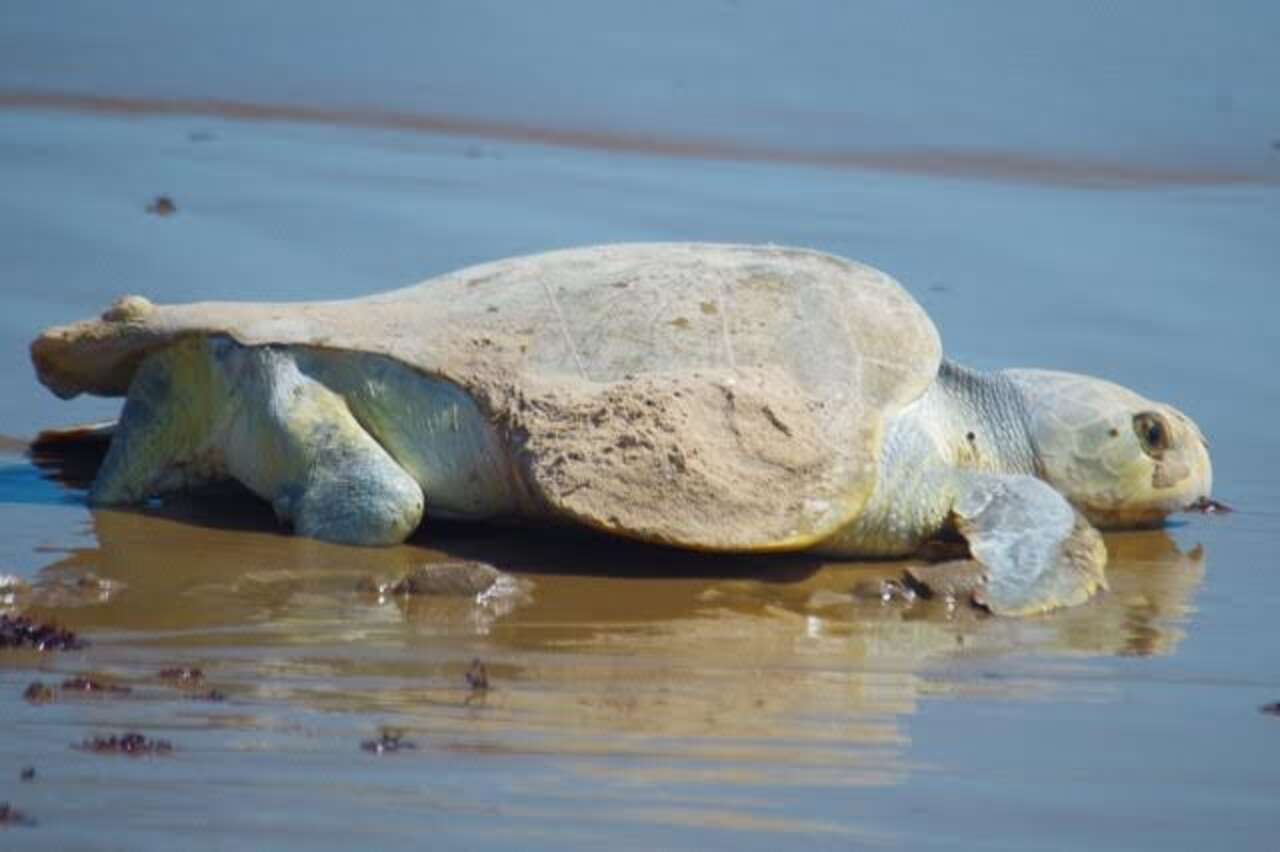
712 397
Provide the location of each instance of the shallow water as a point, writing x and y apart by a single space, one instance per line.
1114 215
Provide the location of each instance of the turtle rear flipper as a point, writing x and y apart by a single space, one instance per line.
1036 552
83 437
208 409
72 455
295 442
163 440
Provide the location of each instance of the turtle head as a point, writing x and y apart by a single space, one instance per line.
1121 459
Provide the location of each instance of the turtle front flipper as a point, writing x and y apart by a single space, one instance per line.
1036 552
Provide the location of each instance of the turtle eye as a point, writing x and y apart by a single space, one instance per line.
1153 432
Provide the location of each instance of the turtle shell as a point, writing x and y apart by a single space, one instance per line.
719 397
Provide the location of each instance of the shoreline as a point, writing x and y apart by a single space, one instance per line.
992 165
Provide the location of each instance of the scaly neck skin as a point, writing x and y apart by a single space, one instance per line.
966 421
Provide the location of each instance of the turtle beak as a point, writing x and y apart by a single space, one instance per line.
1202 468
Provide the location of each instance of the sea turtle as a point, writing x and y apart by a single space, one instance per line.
713 397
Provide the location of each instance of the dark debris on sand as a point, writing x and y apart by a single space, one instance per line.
478 676
132 744
9 815
38 693
389 741
1209 506
208 695
28 773
185 675
19 631
92 685
886 591
455 578
162 205
189 678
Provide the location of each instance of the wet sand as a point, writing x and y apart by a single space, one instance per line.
989 165
635 692
641 697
